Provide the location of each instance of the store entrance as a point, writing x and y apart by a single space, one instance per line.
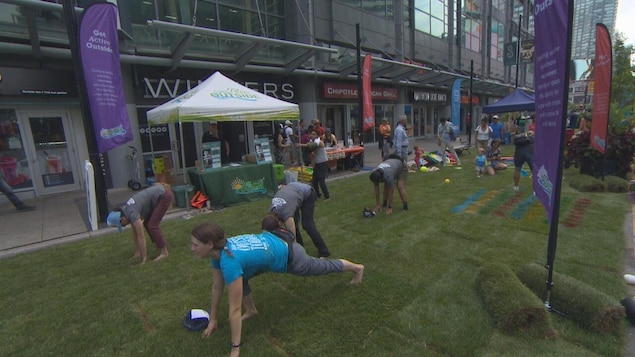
54 165
334 118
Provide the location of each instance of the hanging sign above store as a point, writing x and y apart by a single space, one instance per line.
430 97
349 91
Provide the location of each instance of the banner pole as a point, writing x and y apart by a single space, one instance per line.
91 141
360 85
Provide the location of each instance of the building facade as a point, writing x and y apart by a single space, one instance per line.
302 51
587 14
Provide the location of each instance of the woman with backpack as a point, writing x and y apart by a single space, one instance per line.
280 143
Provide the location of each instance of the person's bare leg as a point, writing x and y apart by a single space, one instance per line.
401 188
357 269
516 178
250 307
164 254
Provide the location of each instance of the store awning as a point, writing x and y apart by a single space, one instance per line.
174 45
240 49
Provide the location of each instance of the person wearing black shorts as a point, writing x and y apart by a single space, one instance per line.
524 153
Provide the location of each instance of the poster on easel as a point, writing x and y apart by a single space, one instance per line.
210 158
262 150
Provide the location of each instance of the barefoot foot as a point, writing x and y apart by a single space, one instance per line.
249 314
358 274
160 256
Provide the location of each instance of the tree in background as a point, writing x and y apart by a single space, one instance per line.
621 134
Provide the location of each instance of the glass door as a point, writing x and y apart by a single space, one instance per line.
53 161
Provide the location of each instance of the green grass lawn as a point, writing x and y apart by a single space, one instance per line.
418 297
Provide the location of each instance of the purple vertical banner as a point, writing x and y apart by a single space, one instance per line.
552 47
99 49
455 104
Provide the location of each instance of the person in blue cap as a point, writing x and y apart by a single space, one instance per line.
145 209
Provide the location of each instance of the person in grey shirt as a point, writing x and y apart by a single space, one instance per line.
445 142
145 209
294 201
391 170
401 138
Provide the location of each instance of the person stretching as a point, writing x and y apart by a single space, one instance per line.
236 259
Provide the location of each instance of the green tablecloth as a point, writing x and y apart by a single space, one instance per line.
233 185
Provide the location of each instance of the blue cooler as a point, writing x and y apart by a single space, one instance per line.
507 138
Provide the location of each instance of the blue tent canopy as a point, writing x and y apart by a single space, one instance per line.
516 101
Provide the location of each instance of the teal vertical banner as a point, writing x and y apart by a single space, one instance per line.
456 104
510 54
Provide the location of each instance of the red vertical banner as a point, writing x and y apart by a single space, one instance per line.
368 110
602 75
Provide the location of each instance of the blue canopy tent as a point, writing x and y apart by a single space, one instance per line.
516 101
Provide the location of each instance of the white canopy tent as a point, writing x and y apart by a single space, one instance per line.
219 98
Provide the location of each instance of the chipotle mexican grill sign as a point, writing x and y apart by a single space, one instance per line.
349 91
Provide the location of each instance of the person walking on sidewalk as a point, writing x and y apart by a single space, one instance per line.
289 203
144 209
8 191
401 138
385 143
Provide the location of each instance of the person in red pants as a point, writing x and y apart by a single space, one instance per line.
145 209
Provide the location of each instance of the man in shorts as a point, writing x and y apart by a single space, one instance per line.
391 170
524 153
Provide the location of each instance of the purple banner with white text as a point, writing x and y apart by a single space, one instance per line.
99 49
551 67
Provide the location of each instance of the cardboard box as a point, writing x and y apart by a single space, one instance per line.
251 158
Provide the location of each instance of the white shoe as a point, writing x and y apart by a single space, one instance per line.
516 188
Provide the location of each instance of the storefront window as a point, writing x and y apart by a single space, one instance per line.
431 17
471 25
13 161
141 11
159 134
51 149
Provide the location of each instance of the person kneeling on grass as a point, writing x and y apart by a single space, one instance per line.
391 170
236 259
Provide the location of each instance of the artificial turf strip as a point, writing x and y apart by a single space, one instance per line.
586 183
616 184
589 307
514 308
